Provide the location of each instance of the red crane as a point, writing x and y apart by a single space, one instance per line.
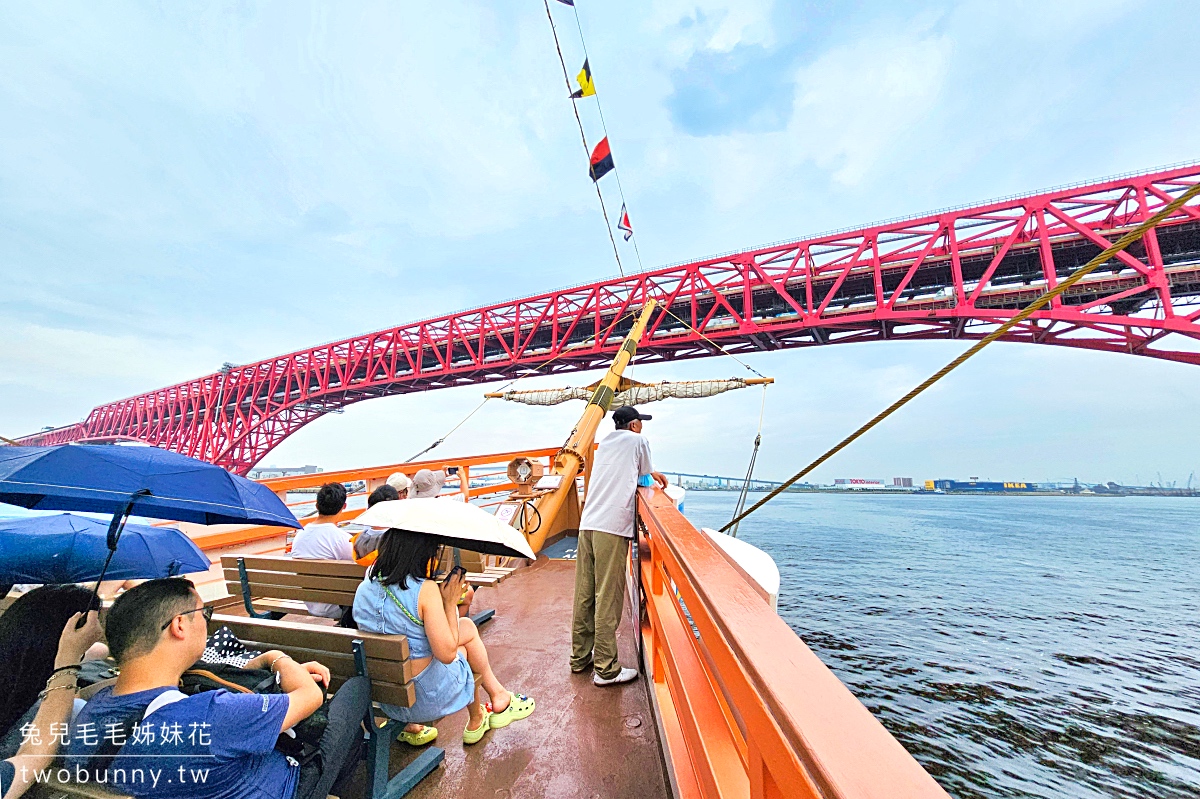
956 273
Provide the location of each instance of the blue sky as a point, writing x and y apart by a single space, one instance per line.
185 184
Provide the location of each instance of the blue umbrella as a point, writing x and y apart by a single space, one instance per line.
160 484
72 549
120 480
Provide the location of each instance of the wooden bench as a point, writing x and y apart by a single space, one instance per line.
383 659
280 585
386 655
482 569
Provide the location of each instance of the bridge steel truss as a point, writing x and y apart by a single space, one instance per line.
953 274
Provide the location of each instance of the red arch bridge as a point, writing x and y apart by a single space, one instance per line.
953 274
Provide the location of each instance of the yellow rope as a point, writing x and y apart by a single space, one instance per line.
1041 302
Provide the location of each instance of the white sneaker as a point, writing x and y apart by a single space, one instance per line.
626 675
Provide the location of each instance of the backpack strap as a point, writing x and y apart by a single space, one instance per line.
262 687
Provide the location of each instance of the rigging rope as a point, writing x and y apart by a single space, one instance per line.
741 503
513 382
724 351
604 127
586 150
451 431
1041 302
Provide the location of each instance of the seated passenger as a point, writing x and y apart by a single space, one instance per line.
401 483
148 739
39 741
29 640
324 539
368 540
397 597
366 546
426 483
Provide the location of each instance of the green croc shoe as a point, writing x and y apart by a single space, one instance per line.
473 736
519 707
427 735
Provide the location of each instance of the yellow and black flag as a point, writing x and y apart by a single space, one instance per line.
586 87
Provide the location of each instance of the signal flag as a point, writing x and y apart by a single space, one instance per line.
623 224
586 87
602 160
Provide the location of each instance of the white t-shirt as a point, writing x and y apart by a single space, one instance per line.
318 541
622 457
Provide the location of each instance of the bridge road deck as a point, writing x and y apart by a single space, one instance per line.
582 741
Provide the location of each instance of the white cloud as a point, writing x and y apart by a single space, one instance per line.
54 376
183 188
714 25
855 102
32 353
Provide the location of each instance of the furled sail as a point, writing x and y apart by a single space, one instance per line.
632 392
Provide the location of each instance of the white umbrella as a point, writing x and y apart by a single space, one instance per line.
455 524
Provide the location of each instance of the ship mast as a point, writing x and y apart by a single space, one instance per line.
573 456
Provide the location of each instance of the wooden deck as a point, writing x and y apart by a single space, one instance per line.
582 741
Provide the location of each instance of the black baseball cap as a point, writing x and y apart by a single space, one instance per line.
627 413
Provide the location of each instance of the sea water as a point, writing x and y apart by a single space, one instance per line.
1016 646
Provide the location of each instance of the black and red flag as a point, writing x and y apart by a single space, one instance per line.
602 161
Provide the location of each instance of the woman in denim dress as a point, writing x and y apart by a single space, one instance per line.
398 598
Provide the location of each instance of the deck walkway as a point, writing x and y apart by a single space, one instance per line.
582 742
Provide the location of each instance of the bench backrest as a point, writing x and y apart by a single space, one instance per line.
386 655
282 577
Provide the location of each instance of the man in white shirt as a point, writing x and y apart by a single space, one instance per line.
324 539
603 553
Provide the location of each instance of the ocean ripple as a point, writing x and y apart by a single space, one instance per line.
1016 646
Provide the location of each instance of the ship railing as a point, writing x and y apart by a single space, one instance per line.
476 477
744 707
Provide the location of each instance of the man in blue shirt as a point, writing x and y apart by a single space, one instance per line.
142 736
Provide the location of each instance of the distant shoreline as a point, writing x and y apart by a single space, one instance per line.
1177 493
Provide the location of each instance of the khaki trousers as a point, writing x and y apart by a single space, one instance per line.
600 569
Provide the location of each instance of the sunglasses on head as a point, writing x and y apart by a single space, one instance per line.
206 610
